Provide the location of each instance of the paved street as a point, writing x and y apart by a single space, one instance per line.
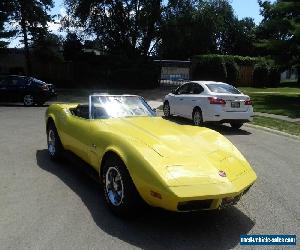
46 205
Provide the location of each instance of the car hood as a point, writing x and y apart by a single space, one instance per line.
191 155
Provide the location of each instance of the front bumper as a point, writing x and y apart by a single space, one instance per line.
206 196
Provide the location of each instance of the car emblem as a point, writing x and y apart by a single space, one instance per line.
222 173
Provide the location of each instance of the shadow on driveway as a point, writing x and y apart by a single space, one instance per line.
154 228
223 129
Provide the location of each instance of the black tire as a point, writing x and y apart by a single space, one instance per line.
197 117
236 125
55 147
28 100
166 109
128 201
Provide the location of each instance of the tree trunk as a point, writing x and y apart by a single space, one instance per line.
26 46
298 73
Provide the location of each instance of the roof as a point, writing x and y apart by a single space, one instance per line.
107 94
208 82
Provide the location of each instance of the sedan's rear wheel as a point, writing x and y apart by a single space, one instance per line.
120 193
55 148
28 100
197 117
166 109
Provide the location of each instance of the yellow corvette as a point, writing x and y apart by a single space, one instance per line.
142 157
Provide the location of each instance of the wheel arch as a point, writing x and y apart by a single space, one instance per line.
111 152
50 120
197 108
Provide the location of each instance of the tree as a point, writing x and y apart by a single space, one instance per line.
72 47
31 18
124 27
202 27
46 47
184 31
4 34
279 32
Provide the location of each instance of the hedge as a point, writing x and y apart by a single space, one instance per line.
209 67
226 68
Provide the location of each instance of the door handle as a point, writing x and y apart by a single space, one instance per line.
193 100
180 99
94 145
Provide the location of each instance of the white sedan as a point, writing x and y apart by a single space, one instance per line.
206 101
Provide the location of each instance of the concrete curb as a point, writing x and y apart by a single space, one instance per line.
274 131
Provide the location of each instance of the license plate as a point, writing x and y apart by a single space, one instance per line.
235 104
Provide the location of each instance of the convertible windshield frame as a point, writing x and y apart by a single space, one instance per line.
148 111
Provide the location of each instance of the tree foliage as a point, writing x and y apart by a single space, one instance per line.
28 18
201 27
72 47
125 27
279 31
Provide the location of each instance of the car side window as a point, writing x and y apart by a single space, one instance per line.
184 89
3 82
196 89
18 81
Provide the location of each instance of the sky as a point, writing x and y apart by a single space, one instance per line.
242 8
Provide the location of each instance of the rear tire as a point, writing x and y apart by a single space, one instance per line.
55 148
236 125
197 117
120 193
166 109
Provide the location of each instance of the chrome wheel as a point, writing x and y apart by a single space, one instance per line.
51 142
166 109
197 118
28 100
114 186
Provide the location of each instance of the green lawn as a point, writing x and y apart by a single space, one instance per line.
284 126
279 101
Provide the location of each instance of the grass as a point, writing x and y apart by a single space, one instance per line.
284 100
280 125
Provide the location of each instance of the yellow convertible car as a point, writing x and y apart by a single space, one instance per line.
141 157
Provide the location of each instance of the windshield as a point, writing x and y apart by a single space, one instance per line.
119 106
223 88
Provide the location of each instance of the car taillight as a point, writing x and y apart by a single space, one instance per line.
216 100
248 102
44 87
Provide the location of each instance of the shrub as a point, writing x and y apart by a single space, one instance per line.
260 75
273 76
135 74
232 72
209 67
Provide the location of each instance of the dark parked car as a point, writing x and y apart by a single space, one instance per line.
25 89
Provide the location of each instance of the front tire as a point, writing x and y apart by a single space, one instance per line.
55 148
28 100
120 194
197 117
236 125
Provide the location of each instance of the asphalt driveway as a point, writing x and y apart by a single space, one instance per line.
46 205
